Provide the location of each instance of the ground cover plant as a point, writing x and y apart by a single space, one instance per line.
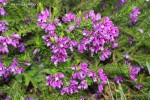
74 49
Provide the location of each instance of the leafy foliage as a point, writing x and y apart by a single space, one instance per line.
22 19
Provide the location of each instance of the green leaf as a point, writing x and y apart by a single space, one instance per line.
121 93
148 67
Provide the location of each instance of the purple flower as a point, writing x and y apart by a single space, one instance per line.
26 64
72 88
3 26
83 85
4 2
115 45
3 71
139 86
21 47
102 76
92 14
128 63
72 44
126 56
131 40
98 17
57 22
100 87
81 75
132 77
69 17
74 67
59 49
84 67
134 71
54 80
7 98
134 14
3 12
4 48
15 36
14 68
141 31
43 16
97 95
35 51
91 73
118 79
122 1
83 98
71 28
50 28
59 75
85 32
105 55
38 59
78 22
29 98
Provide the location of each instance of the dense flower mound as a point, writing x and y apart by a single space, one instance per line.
14 69
134 14
78 79
97 39
101 38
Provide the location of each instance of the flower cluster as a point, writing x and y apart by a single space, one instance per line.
134 70
139 86
3 12
121 2
4 2
103 33
3 71
21 46
5 41
69 17
54 80
58 45
59 48
13 69
78 79
118 79
103 76
134 14
3 26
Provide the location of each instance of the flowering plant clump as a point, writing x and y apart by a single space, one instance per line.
78 79
95 40
76 50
